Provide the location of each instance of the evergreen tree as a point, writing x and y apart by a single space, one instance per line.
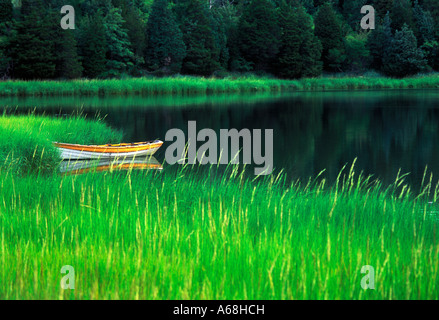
166 49
309 6
119 53
424 22
402 13
431 51
403 57
33 46
382 7
328 30
352 12
135 27
201 46
425 32
6 32
230 19
357 52
259 34
379 40
311 48
289 60
221 31
93 7
68 65
4 59
319 3
93 46
300 50
5 11
432 6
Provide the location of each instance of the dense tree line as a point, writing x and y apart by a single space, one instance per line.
286 38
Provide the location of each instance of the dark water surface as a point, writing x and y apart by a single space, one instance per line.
384 130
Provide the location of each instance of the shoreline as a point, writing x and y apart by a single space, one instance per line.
195 86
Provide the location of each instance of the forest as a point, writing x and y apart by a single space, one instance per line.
288 39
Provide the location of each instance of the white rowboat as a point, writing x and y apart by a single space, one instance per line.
77 151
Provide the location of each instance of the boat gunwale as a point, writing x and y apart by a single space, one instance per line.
114 146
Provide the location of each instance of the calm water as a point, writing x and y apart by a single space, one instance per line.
385 131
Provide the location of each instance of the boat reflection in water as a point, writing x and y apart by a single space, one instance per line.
72 167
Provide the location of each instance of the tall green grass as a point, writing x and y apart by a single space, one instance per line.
199 234
26 140
140 86
176 235
199 85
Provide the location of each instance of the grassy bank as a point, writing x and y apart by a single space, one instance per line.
198 85
26 141
184 234
144 235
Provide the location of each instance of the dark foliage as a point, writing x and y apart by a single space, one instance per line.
287 38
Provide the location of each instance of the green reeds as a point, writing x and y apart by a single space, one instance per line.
26 140
140 86
178 235
198 85
196 234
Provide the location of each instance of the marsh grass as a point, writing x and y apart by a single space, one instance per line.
199 85
193 233
177 235
26 140
140 86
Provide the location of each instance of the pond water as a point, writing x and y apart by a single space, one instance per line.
385 130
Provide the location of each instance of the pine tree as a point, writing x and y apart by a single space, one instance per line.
424 22
403 57
328 30
300 50
6 30
229 16
93 46
135 27
312 53
431 51
221 31
379 40
202 52
165 50
357 52
382 7
259 34
402 13
309 6
290 62
33 46
68 65
5 11
425 31
119 53
93 7
352 12
432 6
311 48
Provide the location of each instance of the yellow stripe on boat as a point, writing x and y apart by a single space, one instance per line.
111 148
